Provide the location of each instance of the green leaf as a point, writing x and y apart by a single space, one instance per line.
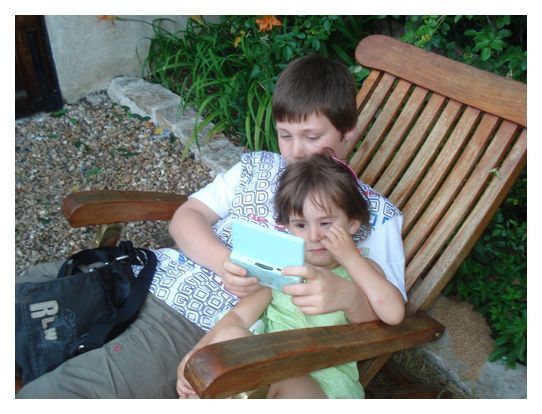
123 152
497 354
498 45
59 113
486 53
92 171
504 33
256 72
44 220
288 53
502 21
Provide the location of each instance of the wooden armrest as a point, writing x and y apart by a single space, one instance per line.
90 208
244 364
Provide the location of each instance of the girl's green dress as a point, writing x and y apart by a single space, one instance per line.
337 382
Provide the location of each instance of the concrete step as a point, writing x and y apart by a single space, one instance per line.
463 350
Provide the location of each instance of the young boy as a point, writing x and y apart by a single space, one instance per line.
314 108
317 199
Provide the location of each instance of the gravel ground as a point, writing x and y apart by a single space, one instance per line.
95 144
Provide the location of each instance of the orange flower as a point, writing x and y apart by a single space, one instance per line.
198 19
266 23
112 18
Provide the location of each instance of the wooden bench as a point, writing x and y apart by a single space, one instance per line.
444 141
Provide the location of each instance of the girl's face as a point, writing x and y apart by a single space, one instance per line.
313 226
299 140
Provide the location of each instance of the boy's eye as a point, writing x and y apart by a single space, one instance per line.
284 136
299 225
326 224
313 138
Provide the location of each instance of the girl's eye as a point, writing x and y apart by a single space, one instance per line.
299 225
326 224
284 136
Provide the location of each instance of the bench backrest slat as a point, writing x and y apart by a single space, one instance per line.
441 141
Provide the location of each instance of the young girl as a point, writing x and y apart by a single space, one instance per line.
319 200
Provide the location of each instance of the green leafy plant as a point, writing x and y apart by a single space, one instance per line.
497 44
228 70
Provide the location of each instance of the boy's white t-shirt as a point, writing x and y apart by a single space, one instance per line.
384 246
247 191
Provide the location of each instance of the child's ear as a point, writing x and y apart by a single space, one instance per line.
353 226
346 139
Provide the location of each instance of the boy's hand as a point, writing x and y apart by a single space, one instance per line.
184 389
322 292
236 281
340 244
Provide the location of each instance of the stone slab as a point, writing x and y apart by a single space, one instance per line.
143 98
164 108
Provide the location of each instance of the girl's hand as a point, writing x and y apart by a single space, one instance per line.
322 292
236 281
340 244
184 389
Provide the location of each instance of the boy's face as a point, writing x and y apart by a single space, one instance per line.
313 227
299 140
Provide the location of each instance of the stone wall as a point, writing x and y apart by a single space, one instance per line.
88 53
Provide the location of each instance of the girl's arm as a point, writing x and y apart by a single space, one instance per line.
234 324
384 298
241 317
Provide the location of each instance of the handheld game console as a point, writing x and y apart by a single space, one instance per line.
264 252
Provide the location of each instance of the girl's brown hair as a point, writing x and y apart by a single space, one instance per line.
324 180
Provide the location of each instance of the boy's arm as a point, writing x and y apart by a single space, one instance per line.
191 228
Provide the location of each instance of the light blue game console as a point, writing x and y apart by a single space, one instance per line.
264 252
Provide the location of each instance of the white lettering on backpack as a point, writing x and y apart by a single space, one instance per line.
42 309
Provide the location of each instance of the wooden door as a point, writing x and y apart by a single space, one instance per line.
36 85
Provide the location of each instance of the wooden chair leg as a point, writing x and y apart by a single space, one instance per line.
369 368
108 235
404 385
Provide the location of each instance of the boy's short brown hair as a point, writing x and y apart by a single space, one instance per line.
325 180
314 84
